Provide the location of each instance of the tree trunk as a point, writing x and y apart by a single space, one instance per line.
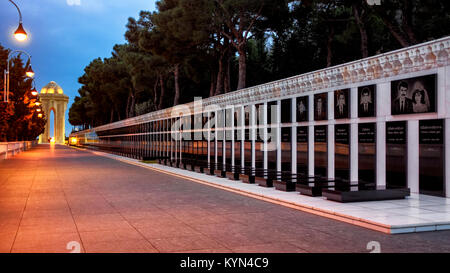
155 92
329 45
407 22
128 106
219 81
112 116
133 104
212 88
163 92
176 73
242 68
395 32
362 31
227 80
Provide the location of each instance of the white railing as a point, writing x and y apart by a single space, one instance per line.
10 149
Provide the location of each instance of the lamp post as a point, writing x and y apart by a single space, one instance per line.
20 33
29 73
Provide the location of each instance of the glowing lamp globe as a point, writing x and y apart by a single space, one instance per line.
30 72
20 33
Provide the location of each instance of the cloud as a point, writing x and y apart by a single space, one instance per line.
73 2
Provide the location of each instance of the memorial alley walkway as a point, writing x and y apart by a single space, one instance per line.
53 195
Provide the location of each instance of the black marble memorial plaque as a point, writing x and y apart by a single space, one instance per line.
302 109
366 133
414 95
320 133
302 134
396 132
342 133
431 131
342 104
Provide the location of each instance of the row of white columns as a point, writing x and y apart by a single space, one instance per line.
383 110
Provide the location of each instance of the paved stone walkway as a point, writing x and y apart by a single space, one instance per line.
53 195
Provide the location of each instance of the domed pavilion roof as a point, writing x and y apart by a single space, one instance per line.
52 88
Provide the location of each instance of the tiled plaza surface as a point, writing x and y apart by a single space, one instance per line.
53 195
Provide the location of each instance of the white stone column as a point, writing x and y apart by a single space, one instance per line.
447 158
242 140
209 141
381 153
224 138
293 135
413 155
354 163
233 127
264 123
330 136
443 108
383 105
253 133
278 135
311 135
215 138
354 166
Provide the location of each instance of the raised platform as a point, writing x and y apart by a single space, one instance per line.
416 213
365 195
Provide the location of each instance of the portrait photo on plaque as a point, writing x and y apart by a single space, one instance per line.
367 101
341 103
320 106
302 109
247 117
414 95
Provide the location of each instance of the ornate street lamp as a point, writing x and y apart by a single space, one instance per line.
20 34
34 92
29 73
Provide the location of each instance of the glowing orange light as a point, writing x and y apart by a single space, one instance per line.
20 33
73 140
34 92
30 72
38 103
39 115
38 110
52 140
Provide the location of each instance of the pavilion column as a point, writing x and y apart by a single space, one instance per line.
383 93
330 135
311 135
354 134
233 127
253 134
447 157
242 134
413 155
293 135
263 123
278 135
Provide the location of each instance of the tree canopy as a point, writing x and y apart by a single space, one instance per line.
19 120
189 48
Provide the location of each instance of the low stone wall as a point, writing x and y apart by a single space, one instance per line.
9 149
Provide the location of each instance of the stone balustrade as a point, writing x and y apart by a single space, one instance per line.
9 149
